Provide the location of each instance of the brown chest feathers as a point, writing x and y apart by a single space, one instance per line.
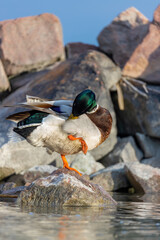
103 120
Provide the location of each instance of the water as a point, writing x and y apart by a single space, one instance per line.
135 217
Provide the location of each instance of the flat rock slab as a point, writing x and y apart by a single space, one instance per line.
64 188
30 43
143 178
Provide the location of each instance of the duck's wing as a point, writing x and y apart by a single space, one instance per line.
63 108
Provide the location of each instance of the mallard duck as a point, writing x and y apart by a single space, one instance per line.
64 126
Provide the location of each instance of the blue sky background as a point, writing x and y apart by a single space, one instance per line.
81 20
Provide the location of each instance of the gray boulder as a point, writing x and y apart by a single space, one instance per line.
112 178
86 163
150 146
124 151
143 178
19 156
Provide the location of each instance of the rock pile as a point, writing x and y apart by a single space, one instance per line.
123 72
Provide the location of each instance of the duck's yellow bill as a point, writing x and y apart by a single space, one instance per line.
72 117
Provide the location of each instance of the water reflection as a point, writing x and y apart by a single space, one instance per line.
130 219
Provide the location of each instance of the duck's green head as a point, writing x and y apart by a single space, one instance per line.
84 102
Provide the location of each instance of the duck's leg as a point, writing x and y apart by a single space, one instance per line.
83 143
66 165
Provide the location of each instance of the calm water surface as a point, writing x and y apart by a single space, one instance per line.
135 217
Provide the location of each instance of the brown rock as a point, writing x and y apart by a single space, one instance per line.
123 35
143 178
25 78
144 62
4 83
30 43
156 17
77 48
64 188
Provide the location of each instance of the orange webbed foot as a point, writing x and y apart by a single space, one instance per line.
83 143
66 165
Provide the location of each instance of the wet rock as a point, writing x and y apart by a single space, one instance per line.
4 83
141 112
7 186
17 157
64 188
144 61
112 178
124 151
149 146
76 48
143 178
65 81
86 163
123 35
30 43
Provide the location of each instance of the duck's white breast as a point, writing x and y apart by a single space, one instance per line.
85 128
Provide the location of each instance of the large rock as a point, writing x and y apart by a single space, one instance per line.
19 156
144 61
64 82
151 149
86 164
112 178
141 109
30 43
124 151
149 146
4 82
64 188
74 49
143 178
23 79
123 35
